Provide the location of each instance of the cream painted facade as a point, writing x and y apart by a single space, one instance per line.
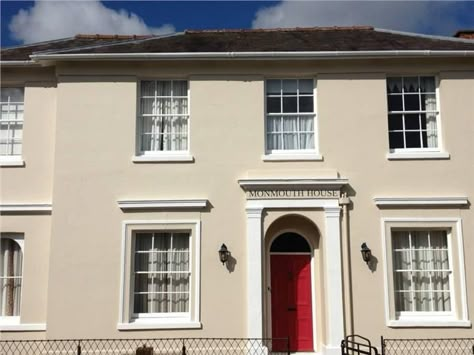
79 145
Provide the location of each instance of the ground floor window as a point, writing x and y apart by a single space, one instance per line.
425 280
160 276
11 275
161 272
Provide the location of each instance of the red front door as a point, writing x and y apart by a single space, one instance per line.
291 301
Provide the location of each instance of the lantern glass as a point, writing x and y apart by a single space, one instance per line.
366 252
223 254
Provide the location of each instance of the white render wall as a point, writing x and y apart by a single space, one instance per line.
80 159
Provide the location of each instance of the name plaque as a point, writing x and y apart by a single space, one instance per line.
292 194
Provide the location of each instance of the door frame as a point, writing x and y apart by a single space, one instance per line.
268 281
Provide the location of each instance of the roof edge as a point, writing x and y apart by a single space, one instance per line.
39 43
421 35
259 55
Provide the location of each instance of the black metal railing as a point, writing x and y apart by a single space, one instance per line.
447 346
171 346
357 345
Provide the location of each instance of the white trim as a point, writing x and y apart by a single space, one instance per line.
18 63
165 157
421 201
284 182
126 321
161 325
333 279
425 319
275 55
423 322
26 207
418 155
33 327
163 204
312 156
14 160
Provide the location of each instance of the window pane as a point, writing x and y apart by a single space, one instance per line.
395 103
427 84
145 261
394 85
180 88
401 260
180 106
274 124
306 104
144 283
12 94
400 240
306 86
395 122
410 84
290 104
413 140
274 141
306 141
396 140
273 87
412 102
289 87
273 104
163 88
142 303
143 241
422 301
147 106
402 281
147 88
438 239
290 141
403 302
428 102
412 121
420 239
441 302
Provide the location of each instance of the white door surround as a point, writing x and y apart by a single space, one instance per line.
332 249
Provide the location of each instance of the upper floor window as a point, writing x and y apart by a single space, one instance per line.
290 115
163 116
11 264
11 121
412 113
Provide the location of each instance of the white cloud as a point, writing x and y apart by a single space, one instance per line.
58 19
416 16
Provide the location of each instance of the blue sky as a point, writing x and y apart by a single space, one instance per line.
33 21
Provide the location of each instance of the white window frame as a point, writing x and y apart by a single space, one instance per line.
418 153
458 316
167 155
20 240
128 320
293 154
10 159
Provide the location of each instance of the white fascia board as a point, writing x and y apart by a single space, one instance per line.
257 55
421 201
26 207
162 204
291 182
18 63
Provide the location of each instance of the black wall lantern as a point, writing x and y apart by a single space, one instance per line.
366 252
223 254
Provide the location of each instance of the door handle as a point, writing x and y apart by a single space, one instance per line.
292 309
